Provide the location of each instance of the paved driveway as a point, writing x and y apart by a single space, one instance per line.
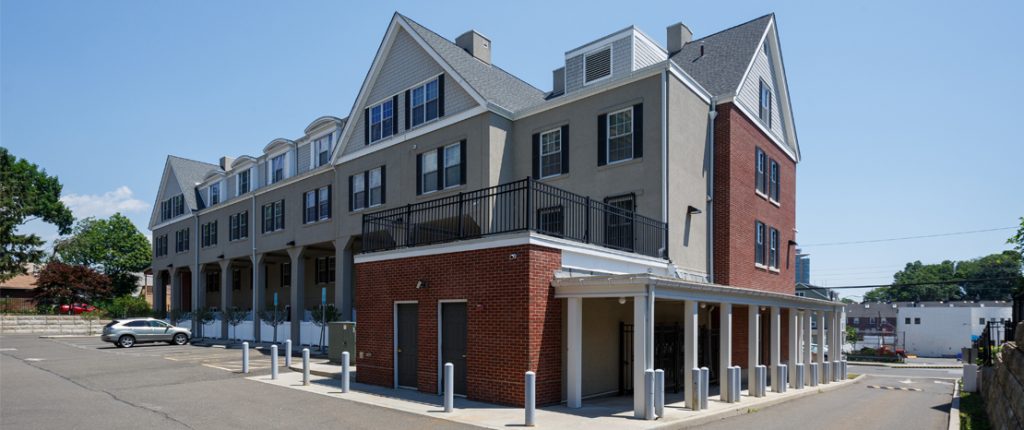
87 384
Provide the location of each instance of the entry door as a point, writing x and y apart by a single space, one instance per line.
453 342
407 344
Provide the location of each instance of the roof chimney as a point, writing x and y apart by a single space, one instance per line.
225 163
678 35
558 81
476 45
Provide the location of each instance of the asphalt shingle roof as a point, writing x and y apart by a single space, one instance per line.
492 82
189 173
726 56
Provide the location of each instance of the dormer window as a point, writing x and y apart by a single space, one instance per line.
424 102
382 120
322 151
277 168
214 194
597 65
243 182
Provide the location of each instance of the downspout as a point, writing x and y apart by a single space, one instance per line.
664 163
195 277
710 209
255 272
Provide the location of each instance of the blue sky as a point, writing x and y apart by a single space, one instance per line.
906 112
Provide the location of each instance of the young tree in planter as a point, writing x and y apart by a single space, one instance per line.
26 193
203 316
274 317
60 283
234 317
176 316
323 315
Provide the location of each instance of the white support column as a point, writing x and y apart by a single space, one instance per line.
225 295
344 298
574 380
806 348
822 341
639 354
794 345
258 294
690 333
724 348
298 294
838 337
175 290
753 345
775 348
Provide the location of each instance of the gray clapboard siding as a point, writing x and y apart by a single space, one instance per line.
750 92
646 54
231 190
622 63
303 157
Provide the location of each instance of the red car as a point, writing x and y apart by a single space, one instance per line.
77 308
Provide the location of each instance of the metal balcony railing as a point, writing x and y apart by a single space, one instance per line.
525 205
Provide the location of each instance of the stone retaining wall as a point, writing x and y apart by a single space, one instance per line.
1002 385
50 324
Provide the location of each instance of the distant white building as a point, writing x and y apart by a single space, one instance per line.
938 329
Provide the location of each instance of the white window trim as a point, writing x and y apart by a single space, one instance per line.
411 106
394 118
358 204
611 63
313 150
608 137
438 169
443 167
368 189
540 157
320 192
270 166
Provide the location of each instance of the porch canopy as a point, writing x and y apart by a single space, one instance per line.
644 289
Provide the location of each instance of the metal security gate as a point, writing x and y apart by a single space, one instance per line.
669 349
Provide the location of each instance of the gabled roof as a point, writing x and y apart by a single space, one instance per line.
727 55
189 173
493 83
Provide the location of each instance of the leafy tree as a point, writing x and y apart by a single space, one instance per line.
274 317
851 335
995 266
128 306
932 282
848 301
203 316
112 246
26 193
60 283
1017 240
323 315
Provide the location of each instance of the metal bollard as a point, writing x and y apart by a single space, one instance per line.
783 376
798 376
705 378
733 379
273 361
761 383
449 385
245 357
694 400
814 375
288 353
836 370
826 372
531 399
344 372
305 366
649 394
659 392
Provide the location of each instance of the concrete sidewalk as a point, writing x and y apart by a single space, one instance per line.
916 363
603 413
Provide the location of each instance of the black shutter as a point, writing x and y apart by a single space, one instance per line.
638 130
407 109
536 156
462 161
419 174
394 111
440 96
602 139
351 203
366 189
383 184
282 213
366 126
440 168
565 149
330 202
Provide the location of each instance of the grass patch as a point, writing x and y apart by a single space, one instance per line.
852 375
752 410
972 412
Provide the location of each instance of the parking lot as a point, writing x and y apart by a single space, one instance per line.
216 357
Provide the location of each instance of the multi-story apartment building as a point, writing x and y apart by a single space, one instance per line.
459 214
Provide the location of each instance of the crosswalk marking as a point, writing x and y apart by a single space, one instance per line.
883 387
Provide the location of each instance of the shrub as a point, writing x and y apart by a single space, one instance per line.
128 306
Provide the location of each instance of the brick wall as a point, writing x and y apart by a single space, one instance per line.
737 206
513 319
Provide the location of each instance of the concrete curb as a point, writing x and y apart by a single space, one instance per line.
906 366
954 407
740 409
314 371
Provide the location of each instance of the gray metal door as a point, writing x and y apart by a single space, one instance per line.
453 342
407 344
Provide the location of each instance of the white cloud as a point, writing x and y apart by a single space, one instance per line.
104 205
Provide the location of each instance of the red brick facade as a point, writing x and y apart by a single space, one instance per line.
737 206
513 320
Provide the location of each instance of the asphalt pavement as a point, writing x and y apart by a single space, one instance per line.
83 383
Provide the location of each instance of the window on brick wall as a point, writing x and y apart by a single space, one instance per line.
773 185
773 248
759 243
759 170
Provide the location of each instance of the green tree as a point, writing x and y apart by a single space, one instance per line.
1005 270
26 193
112 246
60 283
1017 240
914 283
932 282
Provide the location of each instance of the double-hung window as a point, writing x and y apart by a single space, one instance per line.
760 161
236 279
764 110
382 120
425 102
160 246
773 248
619 222
620 135
442 168
551 153
277 168
317 205
273 216
322 151
179 204
165 210
208 233
243 182
773 185
760 236
181 240
214 193
357 194
376 193
366 189
324 270
238 225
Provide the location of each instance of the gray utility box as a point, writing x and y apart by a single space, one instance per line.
341 337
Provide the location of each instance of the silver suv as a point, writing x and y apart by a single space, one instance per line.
125 333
